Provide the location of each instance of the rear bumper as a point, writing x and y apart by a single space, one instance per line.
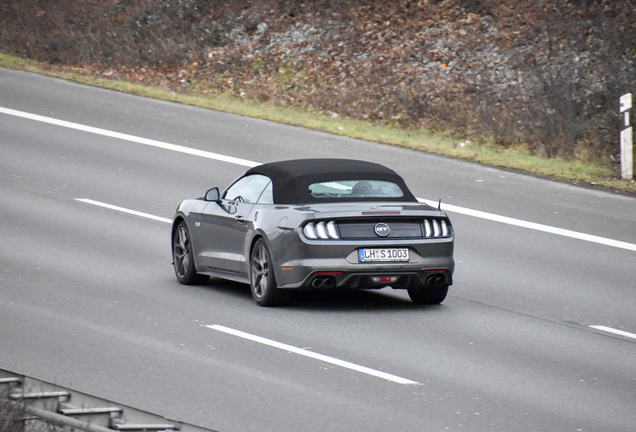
396 280
365 276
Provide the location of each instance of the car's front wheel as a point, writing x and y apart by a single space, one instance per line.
425 295
183 259
262 280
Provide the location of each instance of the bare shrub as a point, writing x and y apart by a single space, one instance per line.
575 77
11 416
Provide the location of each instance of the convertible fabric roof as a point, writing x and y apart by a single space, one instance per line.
291 178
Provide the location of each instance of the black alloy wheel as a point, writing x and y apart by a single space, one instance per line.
182 257
262 280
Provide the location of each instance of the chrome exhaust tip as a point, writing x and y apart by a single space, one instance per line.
318 283
329 283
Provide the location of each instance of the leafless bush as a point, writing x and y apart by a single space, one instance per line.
575 78
11 416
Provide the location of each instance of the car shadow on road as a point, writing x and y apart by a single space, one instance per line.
331 300
384 300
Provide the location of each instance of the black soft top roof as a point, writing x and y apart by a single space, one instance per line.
291 178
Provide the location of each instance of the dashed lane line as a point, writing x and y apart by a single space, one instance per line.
123 210
313 355
614 331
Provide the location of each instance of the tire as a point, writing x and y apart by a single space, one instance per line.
430 296
183 257
262 280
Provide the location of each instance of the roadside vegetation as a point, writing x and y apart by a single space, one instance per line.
532 86
10 416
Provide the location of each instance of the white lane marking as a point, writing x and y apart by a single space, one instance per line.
534 226
123 210
244 162
614 331
312 354
126 137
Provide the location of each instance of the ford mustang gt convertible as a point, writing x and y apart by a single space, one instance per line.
315 224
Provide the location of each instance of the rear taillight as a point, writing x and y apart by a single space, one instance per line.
321 230
436 228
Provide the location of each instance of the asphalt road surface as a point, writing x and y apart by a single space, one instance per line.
538 332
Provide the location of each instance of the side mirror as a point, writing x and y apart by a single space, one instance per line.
212 195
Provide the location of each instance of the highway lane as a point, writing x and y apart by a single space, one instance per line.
93 288
456 182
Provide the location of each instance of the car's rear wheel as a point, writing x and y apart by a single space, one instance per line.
183 259
425 295
262 280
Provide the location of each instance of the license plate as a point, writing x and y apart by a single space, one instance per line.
389 254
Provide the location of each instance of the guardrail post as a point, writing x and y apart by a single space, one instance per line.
627 147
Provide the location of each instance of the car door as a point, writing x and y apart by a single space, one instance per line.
226 223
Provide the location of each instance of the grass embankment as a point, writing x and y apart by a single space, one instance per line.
443 143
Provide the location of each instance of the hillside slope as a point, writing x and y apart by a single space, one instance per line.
545 74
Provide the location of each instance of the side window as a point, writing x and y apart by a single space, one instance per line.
247 189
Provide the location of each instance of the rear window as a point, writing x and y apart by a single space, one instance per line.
355 189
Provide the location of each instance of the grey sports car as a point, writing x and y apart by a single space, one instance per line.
312 224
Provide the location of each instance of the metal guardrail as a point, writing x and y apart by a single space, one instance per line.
71 410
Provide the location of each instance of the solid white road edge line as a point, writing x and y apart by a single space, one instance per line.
244 162
614 331
126 137
123 210
312 354
534 226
